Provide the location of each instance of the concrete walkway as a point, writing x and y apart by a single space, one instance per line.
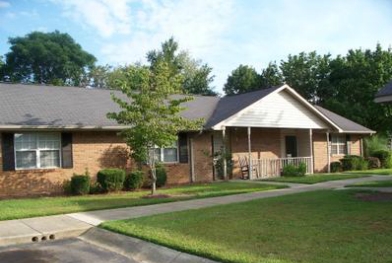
72 225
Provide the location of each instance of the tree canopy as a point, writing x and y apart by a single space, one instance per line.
197 78
344 84
151 112
47 58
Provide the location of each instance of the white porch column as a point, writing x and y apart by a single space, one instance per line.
224 153
328 153
311 150
250 168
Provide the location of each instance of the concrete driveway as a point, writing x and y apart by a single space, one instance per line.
64 250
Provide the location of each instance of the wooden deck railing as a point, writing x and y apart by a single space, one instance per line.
264 168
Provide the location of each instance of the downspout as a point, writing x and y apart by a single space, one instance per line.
311 151
250 170
193 179
224 153
328 153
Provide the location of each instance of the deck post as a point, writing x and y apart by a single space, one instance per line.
311 150
250 168
224 153
328 153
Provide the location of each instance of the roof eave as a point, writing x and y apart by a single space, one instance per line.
383 99
61 128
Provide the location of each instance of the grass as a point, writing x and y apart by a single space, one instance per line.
33 207
373 172
372 184
316 178
318 227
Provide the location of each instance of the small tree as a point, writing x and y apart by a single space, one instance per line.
151 112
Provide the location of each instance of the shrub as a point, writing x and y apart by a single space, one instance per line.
161 175
374 144
353 162
111 179
67 187
80 184
373 162
336 167
292 170
134 180
385 158
96 188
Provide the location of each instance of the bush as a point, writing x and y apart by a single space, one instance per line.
96 188
292 170
67 187
134 180
336 167
373 162
353 162
111 179
385 158
161 175
80 184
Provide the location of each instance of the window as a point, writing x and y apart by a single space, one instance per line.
167 154
37 150
338 144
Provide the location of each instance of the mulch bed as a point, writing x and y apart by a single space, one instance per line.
375 197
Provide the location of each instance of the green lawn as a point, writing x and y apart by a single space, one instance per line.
373 172
316 178
32 207
318 227
372 184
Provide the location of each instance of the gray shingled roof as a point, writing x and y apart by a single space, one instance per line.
230 105
70 107
385 91
344 124
36 105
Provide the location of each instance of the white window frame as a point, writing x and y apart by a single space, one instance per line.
338 140
37 151
161 157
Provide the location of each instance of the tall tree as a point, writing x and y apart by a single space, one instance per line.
271 76
308 74
242 79
151 112
356 78
197 78
50 58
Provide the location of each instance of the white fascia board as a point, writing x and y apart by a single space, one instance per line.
66 127
383 99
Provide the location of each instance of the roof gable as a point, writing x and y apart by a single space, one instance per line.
280 107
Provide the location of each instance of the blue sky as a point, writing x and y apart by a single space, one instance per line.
222 33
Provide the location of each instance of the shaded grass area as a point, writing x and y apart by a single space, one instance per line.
316 178
33 207
320 227
372 184
373 172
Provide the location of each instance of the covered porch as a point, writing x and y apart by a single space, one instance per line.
265 151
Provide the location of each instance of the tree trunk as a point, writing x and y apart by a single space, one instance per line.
154 180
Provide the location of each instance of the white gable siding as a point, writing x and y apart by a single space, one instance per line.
280 110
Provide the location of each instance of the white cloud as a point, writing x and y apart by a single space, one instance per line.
4 4
105 16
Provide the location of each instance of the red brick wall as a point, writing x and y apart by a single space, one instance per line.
95 151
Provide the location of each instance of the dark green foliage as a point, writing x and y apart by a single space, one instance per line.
336 167
80 184
354 162
96 188
48 58
242 79
219 157
375 143
111 179
161 175
385 158
134 180
291 170
374 162
67 187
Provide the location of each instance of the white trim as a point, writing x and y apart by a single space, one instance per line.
60 128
